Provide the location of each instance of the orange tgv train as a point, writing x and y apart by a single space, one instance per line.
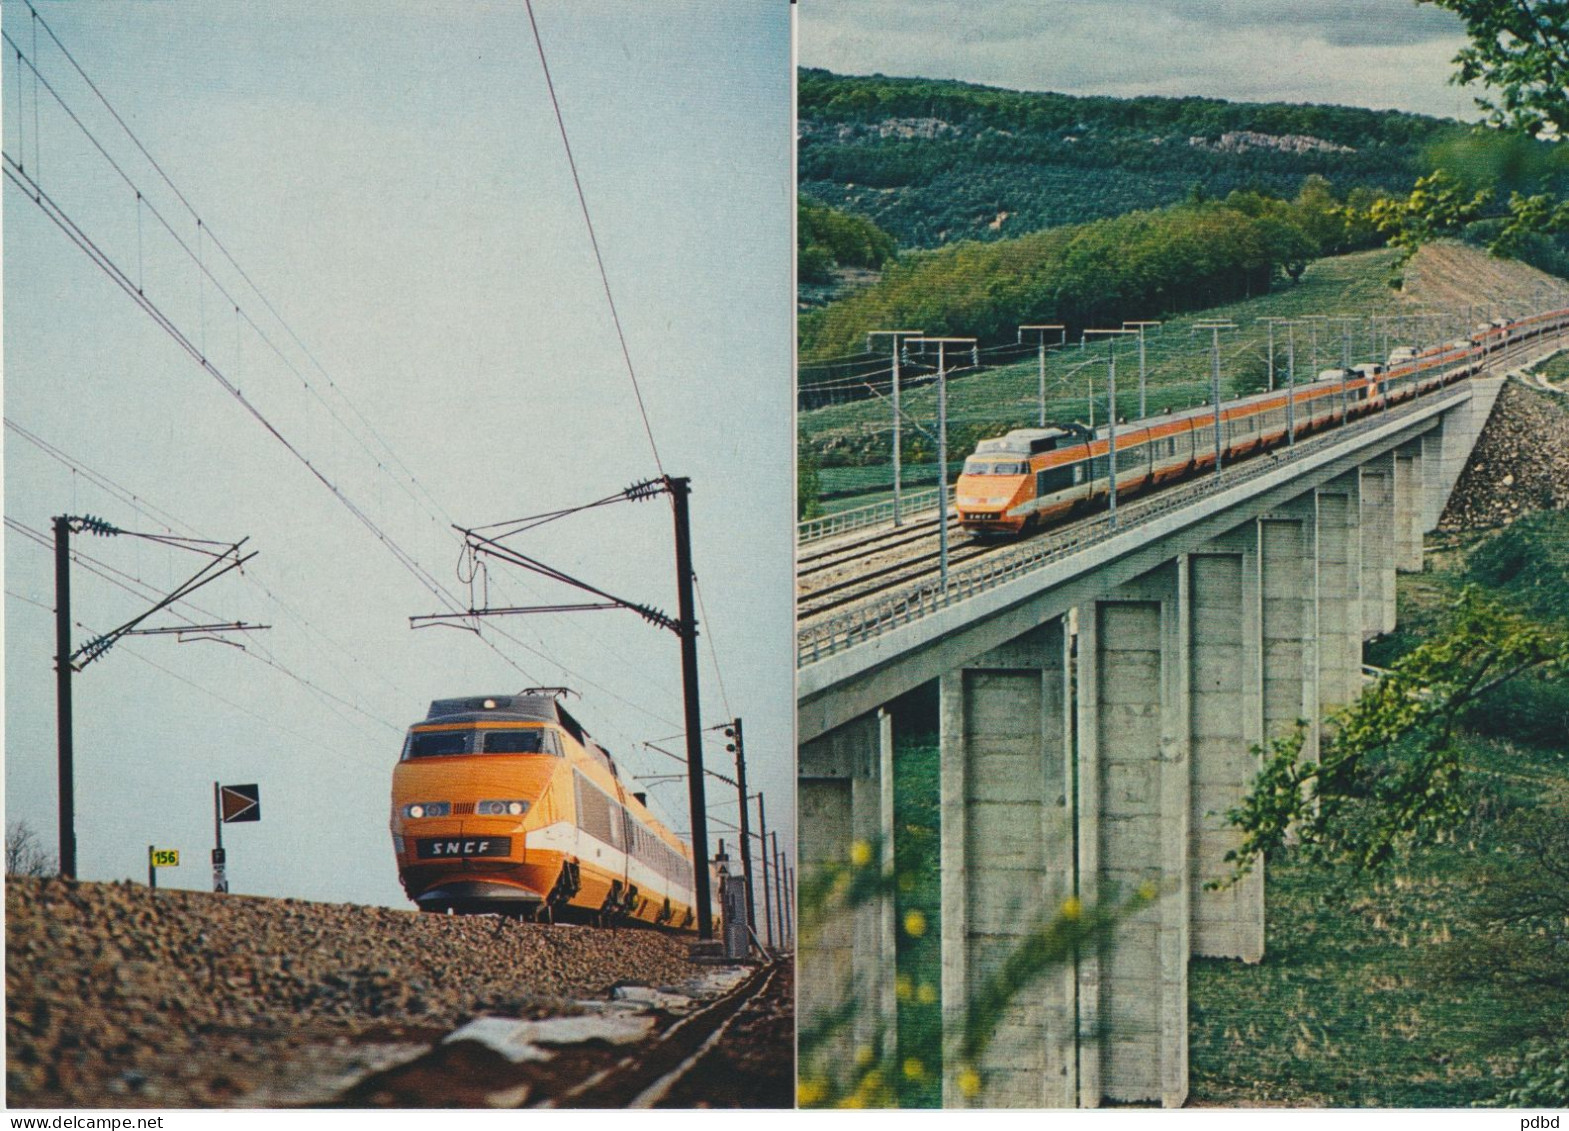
1033 476
503 803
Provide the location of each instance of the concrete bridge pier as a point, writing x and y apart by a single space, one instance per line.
1339 591
1134 803
1289 587
1378 545
1008 863
1410 490
1220 625
845 797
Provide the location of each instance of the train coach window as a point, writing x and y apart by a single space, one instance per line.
1053 479
533 741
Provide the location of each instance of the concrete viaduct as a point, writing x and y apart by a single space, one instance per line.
1097 714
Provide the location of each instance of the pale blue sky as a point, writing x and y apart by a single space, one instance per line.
1385 54
391 177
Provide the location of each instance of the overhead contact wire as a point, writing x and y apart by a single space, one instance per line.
604 275
105 263
218 243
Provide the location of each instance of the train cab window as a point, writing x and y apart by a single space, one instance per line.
531 741
974 466
436 744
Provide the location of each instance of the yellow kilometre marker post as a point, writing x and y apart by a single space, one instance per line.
160 858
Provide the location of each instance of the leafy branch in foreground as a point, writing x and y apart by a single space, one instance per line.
1390 775
1520 49
835 1070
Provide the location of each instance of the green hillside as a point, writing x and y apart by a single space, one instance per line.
934 162
1143 264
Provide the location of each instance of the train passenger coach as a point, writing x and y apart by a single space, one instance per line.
1037 476
503 803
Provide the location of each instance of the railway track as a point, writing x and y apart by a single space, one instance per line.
680 1053
883 568
838 551
881 572
648 1077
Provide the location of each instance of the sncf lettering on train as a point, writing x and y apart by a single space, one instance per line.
449 847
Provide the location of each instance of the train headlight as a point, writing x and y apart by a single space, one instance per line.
500 808
428 809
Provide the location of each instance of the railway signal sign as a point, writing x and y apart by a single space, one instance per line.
230 804
239 803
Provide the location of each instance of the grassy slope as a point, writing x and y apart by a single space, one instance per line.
1557 368
1350 1006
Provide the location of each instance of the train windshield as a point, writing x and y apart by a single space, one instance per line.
448 743
533 741
977 466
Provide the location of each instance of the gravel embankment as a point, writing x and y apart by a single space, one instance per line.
118 996
1520 463
1449 275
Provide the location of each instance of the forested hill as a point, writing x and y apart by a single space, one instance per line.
937 161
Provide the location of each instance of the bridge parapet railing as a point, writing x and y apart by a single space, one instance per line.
872 514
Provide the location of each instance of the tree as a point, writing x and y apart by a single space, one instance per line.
1318 214
808 485
1390 773
25 854
1519 48
1435 207
1528 216
827 238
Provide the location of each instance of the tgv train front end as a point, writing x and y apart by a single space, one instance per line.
989 492
474 777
